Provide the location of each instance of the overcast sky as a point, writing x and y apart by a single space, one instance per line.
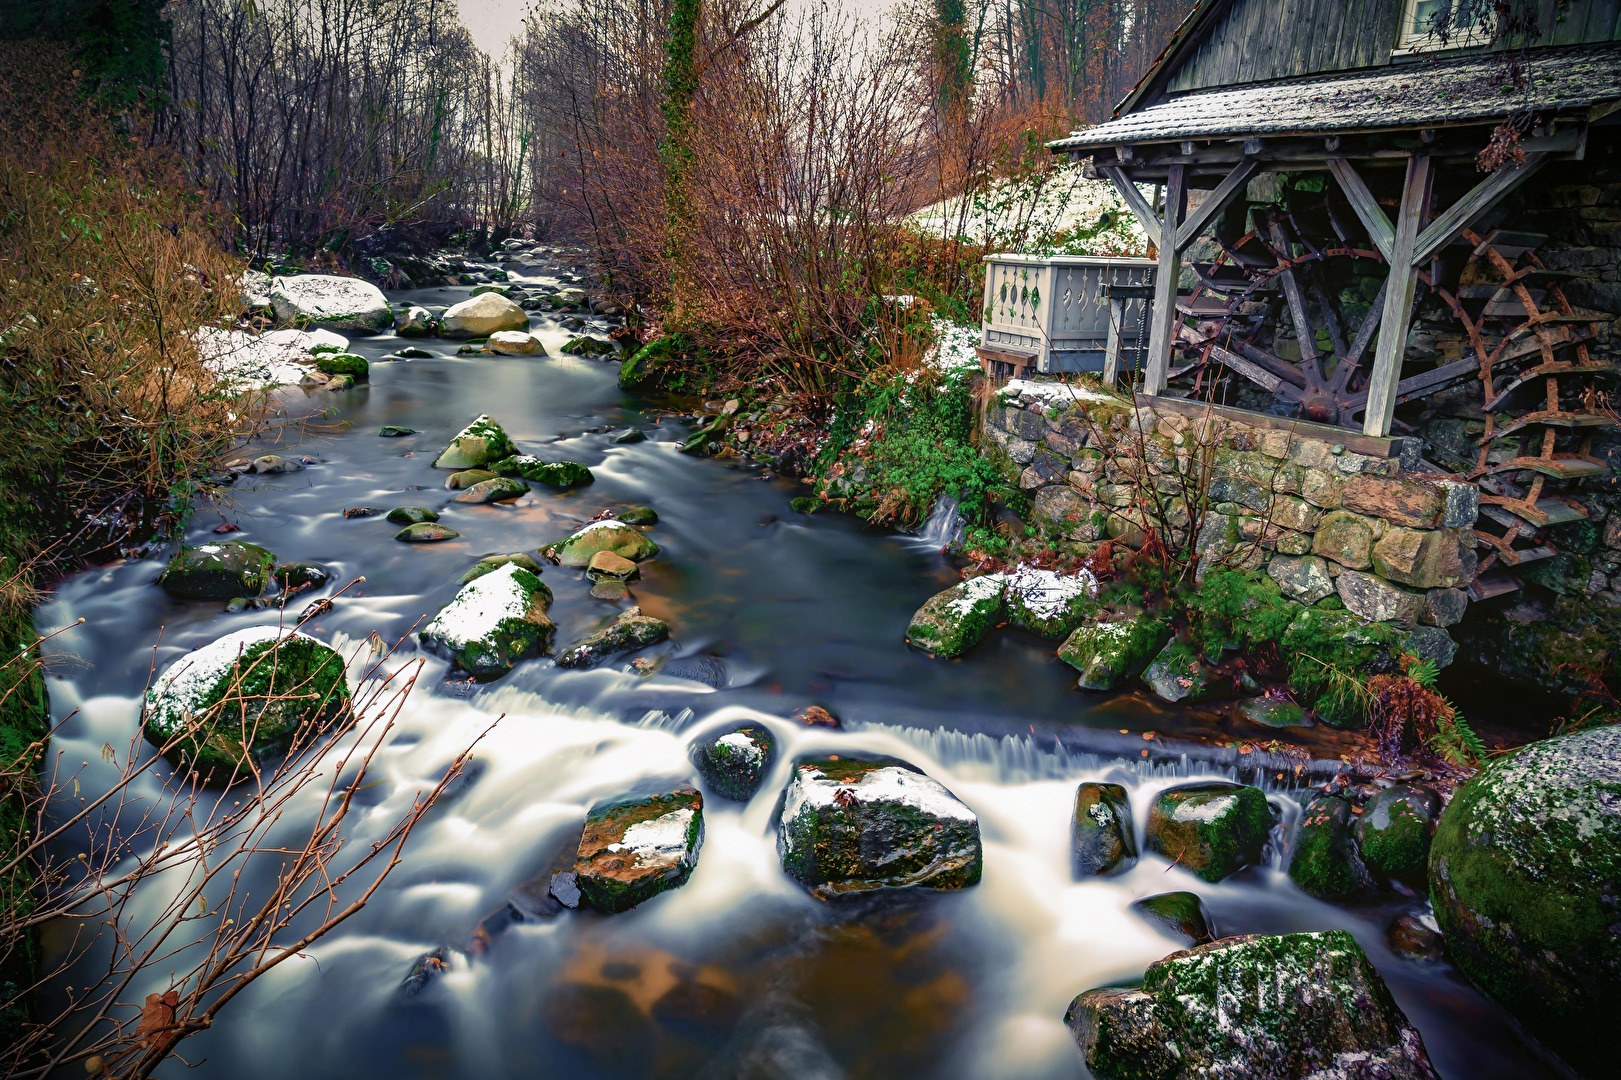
493 22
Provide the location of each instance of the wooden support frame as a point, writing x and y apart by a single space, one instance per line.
1164 317
1461 214
1398 305
1134 199
1217 200
1367 208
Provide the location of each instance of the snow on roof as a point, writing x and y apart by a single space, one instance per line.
1450 90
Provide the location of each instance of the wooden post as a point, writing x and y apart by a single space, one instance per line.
1111 347
1162 330
1398 306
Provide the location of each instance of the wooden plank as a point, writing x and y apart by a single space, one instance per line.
1398 305
1255 373
1111 346
1306 429
1461 214
1368 210
1196 221
1305 333
1134 199
1164 318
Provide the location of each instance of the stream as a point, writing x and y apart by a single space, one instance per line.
741 973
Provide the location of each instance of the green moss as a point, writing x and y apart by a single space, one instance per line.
1325 862
952 622
732 770
1210 829
343 363
1394 831
555 474
646 367
218 571
1109 652
1235 608
1102 838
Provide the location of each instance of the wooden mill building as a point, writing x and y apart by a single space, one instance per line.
1362 205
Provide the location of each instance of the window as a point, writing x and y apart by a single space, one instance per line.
1428 25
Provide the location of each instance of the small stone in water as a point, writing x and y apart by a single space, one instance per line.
629 435
411 515
610 589
318 608
359 511
565 889
425 532
638 515
274 463
395 431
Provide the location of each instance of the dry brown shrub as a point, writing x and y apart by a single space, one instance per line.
109 263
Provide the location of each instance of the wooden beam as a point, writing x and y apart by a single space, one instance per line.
1196 221
1111 346
1162 332
1299 317
1134 199
1461 214
1368 210
1398 305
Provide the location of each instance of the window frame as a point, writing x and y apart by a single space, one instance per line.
1411 40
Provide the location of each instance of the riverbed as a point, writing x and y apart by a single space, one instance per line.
740 973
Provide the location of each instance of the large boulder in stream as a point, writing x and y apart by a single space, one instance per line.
479 443
326 302
1282 1007
734 762
1109 652
218 571
243 700
493 622
1043 602
1048 603
852 825
951 622
1525 878
1212 829
623 540
1326 862
1393 833
481 316
636 847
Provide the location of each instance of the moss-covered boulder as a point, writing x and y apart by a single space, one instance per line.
1049 603
555 474
630 631
494 562
426 532
1179 674
638 846
218 571
610 535
1525 878
735 762
638 515
236 704
1325 862
481 316
1285 1006
290 577
852 825
496 489
1393 833
1212 829
493 622
1180 914
1112 651
477 444
1273 711
411 515
344 363
951 622
1101 837
642 370
586 345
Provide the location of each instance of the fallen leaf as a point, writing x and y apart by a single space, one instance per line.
157 1018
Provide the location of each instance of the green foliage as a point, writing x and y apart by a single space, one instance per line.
1235 608
910 433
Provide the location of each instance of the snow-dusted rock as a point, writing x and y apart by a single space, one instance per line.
623 540
278 358
331 303
482 316
479 443
243 699
854 824
493 622
515 343
636 847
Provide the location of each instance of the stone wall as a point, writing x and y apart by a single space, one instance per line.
1391 539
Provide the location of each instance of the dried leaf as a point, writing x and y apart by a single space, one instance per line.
158 1018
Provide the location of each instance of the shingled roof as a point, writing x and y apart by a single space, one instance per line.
1429 93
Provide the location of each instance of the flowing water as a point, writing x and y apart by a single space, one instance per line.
740 973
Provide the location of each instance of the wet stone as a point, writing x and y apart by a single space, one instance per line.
1393 833
499 489
636 847
1325 861
459 481
631 630
218 571
1180 914
1110 652
554 474
1274 712
611 590
610 535
495 562
638 515
1411 938
952 622
605 565
1212 829
411 515
1102 840
852 825
395 431
479 443
425 532
493 622
735 762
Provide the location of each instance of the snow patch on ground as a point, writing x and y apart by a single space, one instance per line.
1029 391
481 606
953 347
1047 594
